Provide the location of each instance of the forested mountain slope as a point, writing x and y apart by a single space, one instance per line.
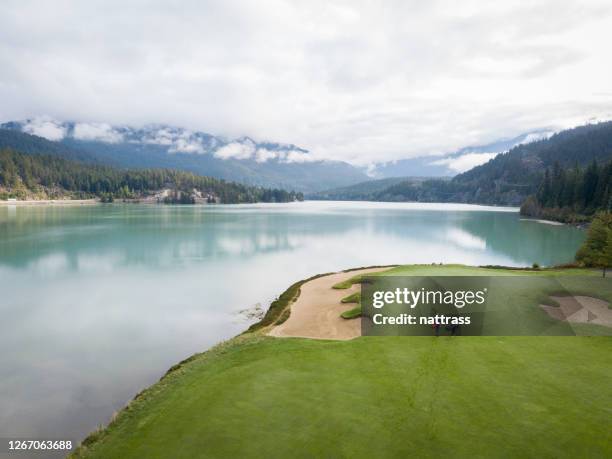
241 160
44 176
572 194
511 177
508 179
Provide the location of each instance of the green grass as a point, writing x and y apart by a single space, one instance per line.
257 396
347 283
376 397
352 313
352 298
463 270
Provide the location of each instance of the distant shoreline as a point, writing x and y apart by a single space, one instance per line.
149 200
55 202
89 202
544 221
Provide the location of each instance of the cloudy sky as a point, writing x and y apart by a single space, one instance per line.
357 81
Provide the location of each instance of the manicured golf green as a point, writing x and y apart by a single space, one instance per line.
257 396
377 397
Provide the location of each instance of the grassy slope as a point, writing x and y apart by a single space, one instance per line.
386 397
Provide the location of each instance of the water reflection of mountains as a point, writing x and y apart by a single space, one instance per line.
158 236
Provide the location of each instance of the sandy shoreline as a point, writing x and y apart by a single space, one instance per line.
316 313
545 222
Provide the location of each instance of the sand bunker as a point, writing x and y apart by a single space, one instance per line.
580 309
316 313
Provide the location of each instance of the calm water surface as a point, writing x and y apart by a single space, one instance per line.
96 302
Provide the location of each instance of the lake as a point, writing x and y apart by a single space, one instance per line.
97 302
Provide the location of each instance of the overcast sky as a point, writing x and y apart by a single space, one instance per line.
357 81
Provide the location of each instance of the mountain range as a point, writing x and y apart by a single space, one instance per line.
507 179
450 164
243 160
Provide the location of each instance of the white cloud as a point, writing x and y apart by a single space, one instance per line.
160 137
177 140
262 155
359 81
247 149
535 136
465 162
45 127
186 143
102 132
236 150
295 156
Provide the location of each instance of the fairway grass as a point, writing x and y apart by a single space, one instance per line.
258 396
376 397
463 270
354 312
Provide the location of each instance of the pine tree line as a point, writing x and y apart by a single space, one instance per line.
22 175
572 194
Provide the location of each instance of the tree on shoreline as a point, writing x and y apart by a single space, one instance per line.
596 251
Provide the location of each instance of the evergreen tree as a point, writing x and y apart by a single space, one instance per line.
567 197
578 196
544 191
557 185
596 251
589 184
